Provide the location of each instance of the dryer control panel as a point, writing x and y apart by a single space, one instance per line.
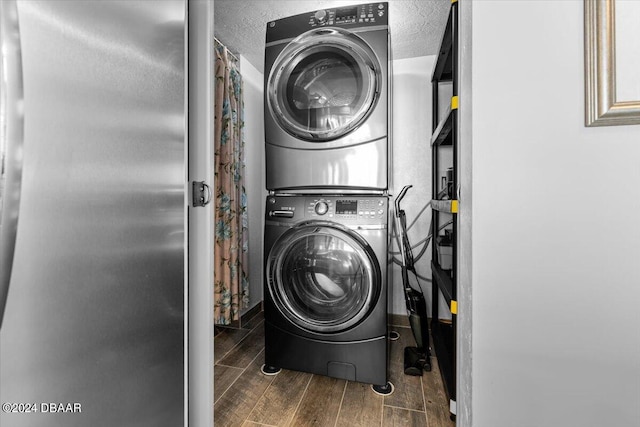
348 209
359 14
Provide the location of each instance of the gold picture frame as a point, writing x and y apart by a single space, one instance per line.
602 107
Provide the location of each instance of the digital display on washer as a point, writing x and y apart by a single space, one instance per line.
346 13
346 207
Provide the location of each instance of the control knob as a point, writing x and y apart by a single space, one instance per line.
321 207
320 15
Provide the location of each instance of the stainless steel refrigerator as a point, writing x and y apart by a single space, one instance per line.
92 291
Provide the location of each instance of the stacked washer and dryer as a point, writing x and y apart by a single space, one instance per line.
327 137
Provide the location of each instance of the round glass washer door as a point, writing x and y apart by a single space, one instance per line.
323 278
323 85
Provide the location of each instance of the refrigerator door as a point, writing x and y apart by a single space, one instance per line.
11 140
93 329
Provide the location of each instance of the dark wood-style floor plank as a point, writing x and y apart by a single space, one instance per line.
299 399
408 389
281 399
360 406
233 408
399 417
435 398
321 402
224 341
223 377
242 354
254 322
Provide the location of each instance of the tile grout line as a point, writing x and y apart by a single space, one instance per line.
406 409
299 401
344 391
424 399
384 398
228 366
249 332
226 353
382 413
215 399
258 424
231 385
265 390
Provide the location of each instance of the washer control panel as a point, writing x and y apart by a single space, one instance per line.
348 209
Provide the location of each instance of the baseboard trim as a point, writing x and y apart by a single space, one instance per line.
250 313
244 317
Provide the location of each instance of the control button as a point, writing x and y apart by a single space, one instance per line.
380 6
380 212
320 15
321 208
380 13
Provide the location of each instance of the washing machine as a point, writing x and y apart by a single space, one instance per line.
325 296
327 100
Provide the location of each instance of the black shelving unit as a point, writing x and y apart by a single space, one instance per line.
444 205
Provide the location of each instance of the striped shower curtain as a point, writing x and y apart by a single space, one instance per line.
231 286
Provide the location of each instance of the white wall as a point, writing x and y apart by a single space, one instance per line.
412 158
556 229
412 164
254 173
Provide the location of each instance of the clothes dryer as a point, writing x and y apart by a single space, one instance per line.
326 100
325 296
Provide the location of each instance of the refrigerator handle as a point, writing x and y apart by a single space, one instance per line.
11 140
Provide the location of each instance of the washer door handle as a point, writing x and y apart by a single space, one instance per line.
281 214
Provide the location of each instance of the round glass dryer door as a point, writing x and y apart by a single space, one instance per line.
323 278
323 85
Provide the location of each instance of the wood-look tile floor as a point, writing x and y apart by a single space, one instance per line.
245 397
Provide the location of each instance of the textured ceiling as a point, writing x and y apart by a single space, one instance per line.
416 26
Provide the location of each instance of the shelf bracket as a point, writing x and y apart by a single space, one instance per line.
454 102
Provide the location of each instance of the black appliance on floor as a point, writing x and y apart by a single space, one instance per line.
416 359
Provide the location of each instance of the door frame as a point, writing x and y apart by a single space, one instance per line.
199 394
